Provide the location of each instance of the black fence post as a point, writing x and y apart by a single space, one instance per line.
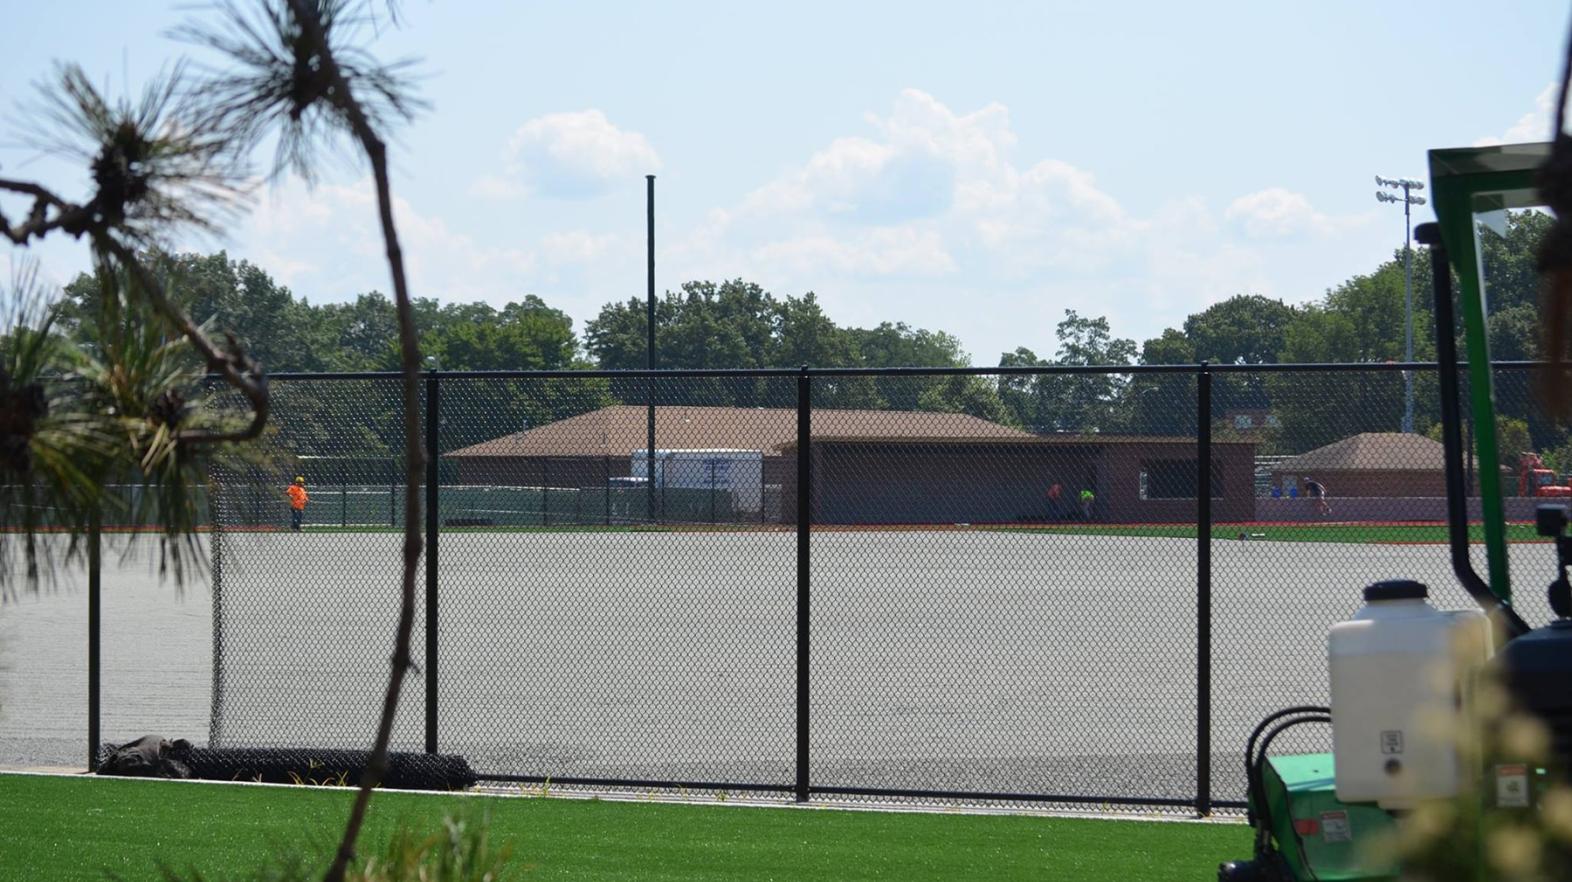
217 509
433 519
804 519
1203 595
95 572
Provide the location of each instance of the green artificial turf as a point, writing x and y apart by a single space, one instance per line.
1351 533
1356 533
84 828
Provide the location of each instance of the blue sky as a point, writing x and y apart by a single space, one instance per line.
977 168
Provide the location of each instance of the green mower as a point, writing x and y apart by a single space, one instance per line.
1403 672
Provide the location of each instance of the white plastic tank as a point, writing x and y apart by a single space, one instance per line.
1399 673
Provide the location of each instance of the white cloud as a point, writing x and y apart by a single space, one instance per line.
887 251
497 187
863 180
578 246
930 217
1532 126
326 242
947 176
570 155
1276 212
925 216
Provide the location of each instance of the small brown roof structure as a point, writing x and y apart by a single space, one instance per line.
621 429
1370 452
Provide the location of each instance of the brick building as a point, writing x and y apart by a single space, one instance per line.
886 467
1371 464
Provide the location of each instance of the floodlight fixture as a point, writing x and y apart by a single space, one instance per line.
1400 183
1408 199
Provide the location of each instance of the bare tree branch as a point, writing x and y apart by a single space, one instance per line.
72 219
341 96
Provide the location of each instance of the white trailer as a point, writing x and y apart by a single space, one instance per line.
739 473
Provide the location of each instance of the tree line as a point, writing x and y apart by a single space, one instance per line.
738 324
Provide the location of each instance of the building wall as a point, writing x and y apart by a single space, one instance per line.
1233 472
901 484
1368 483
882 483
553 471
928 484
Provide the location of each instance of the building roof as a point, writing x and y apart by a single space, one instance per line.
1372 452
1061 439
621 429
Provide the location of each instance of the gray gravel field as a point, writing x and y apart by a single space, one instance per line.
966 659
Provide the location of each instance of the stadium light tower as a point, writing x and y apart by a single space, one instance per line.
1407 185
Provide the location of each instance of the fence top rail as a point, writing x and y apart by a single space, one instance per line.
1017 370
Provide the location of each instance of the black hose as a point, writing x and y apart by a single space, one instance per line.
1249 757
1264 827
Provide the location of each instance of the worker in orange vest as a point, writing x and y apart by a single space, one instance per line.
297 501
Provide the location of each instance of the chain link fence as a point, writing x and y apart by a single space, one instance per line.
969 585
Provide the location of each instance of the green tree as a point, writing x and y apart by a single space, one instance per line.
734 324
1513 325
1360 321
526 335
284 333
703 325
1511 277
968 394
1022 394
1244 329
364 331
523 335
806 336
1089 402
897 344
1163 404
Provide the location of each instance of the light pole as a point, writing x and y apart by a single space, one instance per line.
1407 185
649 346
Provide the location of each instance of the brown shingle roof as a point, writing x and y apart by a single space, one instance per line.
1370 451
619 430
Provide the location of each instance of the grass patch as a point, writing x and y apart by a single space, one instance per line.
83 828
1353 533
558 528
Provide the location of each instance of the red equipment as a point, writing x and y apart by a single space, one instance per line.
1533 479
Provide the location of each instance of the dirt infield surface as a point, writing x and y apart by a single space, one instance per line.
977 660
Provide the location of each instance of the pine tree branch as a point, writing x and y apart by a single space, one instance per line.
342 98
73 219
237 368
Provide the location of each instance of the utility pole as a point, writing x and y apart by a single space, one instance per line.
1407 185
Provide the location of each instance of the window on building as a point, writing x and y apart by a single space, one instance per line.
1175 479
